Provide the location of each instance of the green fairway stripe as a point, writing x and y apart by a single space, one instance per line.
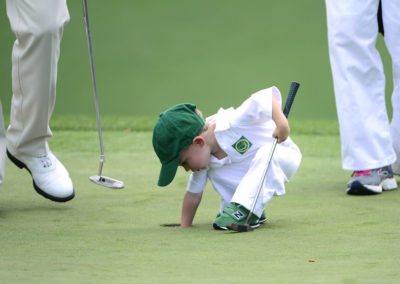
145 123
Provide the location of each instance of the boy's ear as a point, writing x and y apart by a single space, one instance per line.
199 140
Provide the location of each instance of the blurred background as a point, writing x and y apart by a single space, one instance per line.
152 54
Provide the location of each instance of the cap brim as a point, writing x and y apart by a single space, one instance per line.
168 172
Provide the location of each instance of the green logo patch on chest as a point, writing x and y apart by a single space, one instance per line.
242 145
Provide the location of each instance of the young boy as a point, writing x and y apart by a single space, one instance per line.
230 149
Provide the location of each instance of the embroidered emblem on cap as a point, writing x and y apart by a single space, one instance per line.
242 145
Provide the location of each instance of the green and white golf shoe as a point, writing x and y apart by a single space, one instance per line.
235 213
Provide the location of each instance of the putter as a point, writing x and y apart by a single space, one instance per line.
97 179
246 226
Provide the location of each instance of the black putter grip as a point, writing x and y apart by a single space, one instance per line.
289 101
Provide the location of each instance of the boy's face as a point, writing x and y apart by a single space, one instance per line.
196 157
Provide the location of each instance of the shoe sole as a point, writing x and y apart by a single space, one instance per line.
21 165
357 188
262 221
219 228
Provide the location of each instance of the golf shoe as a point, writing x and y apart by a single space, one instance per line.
235 214
370 182
50 178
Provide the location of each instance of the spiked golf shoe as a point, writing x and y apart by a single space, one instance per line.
50 178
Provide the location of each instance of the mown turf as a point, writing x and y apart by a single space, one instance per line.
153 54
150 55
314 234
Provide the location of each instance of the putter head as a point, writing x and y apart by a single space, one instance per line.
107 182
240 228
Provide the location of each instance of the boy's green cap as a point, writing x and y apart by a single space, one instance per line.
173 132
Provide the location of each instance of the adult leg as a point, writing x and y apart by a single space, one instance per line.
38 26
391 22
359 84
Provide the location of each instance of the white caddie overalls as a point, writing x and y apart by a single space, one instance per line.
245 135
368 139
38 27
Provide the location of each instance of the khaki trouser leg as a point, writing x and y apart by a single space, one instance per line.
38 26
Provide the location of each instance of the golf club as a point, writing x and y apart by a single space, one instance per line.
246 226
97 179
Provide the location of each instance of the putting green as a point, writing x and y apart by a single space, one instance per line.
149 56
314 234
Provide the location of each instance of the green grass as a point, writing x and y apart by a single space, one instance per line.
150 55
314 234
146 123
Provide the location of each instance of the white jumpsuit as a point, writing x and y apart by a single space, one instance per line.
38 27
245 135
368 139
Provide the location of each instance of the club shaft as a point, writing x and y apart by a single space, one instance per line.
93 75
288 105
260 185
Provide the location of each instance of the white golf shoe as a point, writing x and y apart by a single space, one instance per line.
50 178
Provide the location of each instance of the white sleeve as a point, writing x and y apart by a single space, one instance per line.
257 108
197 182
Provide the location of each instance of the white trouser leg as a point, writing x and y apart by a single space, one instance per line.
38 26
284 164
391 22
359 84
